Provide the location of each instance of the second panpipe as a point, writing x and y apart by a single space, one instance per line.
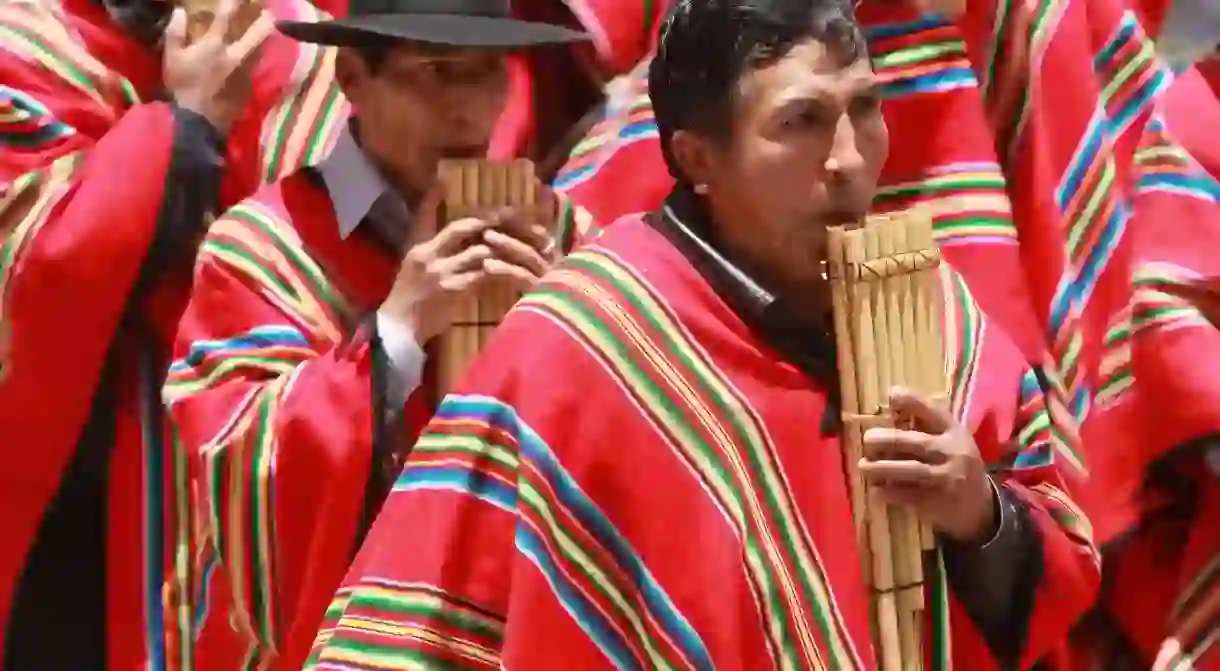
476 188
887 313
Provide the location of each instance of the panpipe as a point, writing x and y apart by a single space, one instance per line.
887 315
201 13
477 188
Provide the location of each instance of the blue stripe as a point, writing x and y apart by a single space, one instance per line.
48 128
261 337
590 620
1036 456
205 593
885 30
1120 39
1073 292
1197 184
568 496
1030 387
944 80
1084 157
606 536
461 480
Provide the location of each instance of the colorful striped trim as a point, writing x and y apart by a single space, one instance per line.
628 120
1042 436
1115 371
255 240
923 56
270 350
1010 66
241 519
592 569
26 123
372 620
31 31
1090 199
1162 298
302 127
1068 516
573 223
963 335
25 205
1164 166
968 203
237 528
596 297
1133 76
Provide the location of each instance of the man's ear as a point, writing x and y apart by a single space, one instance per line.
695 156
350 74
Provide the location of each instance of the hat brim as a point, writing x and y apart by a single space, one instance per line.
447 29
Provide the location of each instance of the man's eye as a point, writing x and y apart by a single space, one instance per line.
809 117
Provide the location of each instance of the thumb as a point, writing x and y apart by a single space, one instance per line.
929 416
428 215
175 32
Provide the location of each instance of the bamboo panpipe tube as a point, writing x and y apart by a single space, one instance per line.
852 439
887 312
861 317
201 13
475 188
928 310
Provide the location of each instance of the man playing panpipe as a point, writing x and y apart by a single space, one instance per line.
299 372
1051 266
124 130
643 469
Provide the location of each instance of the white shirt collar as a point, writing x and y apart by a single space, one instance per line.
358 190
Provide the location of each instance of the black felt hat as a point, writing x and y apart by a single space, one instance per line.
459 23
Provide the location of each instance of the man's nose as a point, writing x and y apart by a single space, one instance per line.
845 159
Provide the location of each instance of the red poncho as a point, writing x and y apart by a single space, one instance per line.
83 169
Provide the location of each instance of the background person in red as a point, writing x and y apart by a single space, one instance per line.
301 369
117 145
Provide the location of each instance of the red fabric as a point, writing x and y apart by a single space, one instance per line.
51 370
515 128
527 431
1177 306
320 430
91 245
1210 71
623 31
621 149
1151 14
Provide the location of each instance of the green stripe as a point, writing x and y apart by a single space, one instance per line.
942 635
569 306
262 605
45 51
919 53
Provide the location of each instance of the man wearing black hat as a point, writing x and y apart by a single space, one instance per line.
299 366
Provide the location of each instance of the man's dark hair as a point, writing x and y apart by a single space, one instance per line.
707 45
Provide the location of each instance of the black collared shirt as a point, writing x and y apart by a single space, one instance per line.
996 583
684 222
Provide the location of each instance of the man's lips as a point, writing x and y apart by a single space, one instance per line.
465 151
845 219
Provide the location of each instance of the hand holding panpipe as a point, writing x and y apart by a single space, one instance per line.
200 14
475 188
887 314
